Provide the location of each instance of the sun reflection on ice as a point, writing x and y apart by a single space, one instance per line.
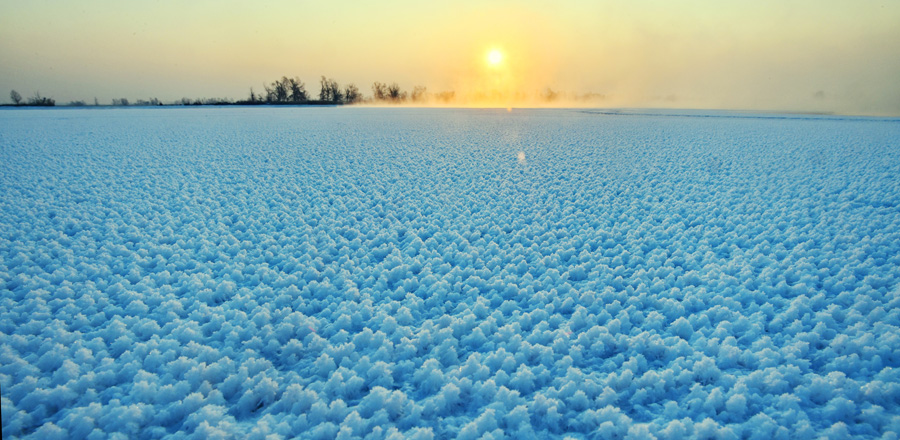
521 157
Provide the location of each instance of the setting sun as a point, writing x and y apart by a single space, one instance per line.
494 57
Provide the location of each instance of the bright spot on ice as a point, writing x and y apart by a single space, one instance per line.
521 157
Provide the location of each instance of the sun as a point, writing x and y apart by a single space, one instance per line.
494 57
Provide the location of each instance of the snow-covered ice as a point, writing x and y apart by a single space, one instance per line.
409 273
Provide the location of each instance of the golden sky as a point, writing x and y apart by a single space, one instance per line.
841 56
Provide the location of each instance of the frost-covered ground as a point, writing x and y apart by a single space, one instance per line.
400 273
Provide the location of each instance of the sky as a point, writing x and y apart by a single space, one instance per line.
788 55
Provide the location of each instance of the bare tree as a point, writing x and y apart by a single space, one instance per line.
324 90
352 95
282 89
337 96
330 91
298 90
16 97
395 94
379 91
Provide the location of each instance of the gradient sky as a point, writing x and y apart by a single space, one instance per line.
841 56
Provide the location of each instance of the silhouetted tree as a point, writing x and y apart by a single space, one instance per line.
282 89
16 97
324 90
379 91
298 90
384 92
395 94
285 90
337 96
330 91
252 96
96 102
120 102
352 95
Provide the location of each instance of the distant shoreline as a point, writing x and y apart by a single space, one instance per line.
601 111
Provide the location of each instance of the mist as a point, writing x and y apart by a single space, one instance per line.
825 56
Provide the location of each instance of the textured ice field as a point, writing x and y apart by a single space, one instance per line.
401 273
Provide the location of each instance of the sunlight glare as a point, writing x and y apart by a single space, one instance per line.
495 57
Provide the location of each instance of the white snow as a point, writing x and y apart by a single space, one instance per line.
407 273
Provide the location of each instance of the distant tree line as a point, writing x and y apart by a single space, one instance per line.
292 91
37 100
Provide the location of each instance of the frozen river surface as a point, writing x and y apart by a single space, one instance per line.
403 273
